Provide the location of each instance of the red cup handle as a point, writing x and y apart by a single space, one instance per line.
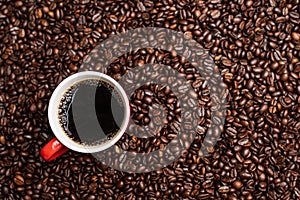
52 150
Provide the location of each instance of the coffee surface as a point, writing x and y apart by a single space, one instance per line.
91 112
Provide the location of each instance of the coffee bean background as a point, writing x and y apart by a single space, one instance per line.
256 46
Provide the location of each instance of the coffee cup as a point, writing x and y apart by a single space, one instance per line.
105 114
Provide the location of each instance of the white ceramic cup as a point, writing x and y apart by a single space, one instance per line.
56 146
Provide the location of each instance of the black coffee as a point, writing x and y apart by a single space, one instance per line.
91 112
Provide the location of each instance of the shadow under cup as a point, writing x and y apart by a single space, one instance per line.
88 112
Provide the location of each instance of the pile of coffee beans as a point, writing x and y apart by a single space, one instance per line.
255 45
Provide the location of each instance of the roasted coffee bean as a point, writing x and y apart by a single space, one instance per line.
296 36
19 180
237 184
215 14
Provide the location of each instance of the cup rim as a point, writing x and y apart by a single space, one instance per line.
53 112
